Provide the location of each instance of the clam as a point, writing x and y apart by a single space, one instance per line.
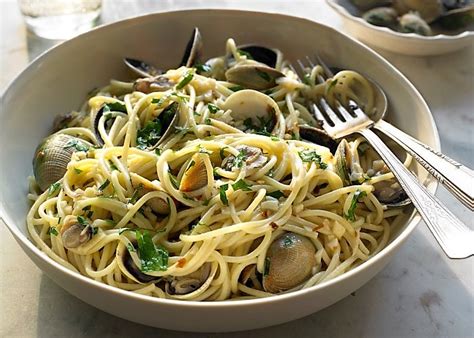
391 194
141 67
429 10
252 110
413 23
250 157
52 157
196 176
318 136
388 192
457 18
169 118
73 233
186 284
290 261
382 16
193 49
153 84
214 68
190 57
67 120
343 162
367 4
157 205
253 75
261 54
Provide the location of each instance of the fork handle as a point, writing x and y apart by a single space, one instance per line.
455 238
457 178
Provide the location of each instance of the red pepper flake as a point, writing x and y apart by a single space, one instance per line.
181 262
317 227
274 225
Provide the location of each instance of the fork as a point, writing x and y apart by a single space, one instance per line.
456 177
454 237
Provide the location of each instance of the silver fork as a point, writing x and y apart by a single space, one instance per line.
454 237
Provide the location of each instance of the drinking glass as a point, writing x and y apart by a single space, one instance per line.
60 19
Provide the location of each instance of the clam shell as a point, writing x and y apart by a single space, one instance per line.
253 75
73 233
52 157
195 177
292 258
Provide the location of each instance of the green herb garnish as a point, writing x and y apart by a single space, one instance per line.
112 165
221 152
244 53
266 268
104 185
54 188
212 108
77 171
242 185
149 135
76 144
358 194
53 231
152 257
208 121
186 79
130 247
203 68
312 156
115 106
135 194
223 196
276 194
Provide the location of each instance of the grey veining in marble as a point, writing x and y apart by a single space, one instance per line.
421 293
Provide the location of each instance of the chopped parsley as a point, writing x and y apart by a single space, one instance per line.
274 138
208 121
212 108
152 257
174 181
264 127
115 106
221 152
157 151
242 185
153 130
104 185
54 188
186 79
332 84
130 247
77 171
203 68
307 79
223 196
239 160
312 156
82 221
288 242
76 144
53 231
276 194
351 212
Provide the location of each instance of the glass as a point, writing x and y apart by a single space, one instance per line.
60 19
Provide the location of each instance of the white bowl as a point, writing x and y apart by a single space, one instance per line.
402 43
59 80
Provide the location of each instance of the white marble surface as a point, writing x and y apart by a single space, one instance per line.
421 293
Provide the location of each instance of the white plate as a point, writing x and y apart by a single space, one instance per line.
385 38
59 80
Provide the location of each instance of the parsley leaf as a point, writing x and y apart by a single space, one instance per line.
212 108
152 257
76 144
186 79
53 231
221 153
223 196
276 194
203 68
135 194
104 185
54 188
244 53
112 165
241 184
312 156
149 135
82 221
115 106
351 212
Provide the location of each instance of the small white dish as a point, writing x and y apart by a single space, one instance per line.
402 43
60 79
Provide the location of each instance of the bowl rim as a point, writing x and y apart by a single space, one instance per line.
340 9
412 222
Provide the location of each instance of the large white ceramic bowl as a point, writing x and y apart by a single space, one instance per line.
402 43
59 80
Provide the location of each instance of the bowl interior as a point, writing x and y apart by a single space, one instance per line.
59 80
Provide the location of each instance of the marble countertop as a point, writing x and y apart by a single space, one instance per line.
421 293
